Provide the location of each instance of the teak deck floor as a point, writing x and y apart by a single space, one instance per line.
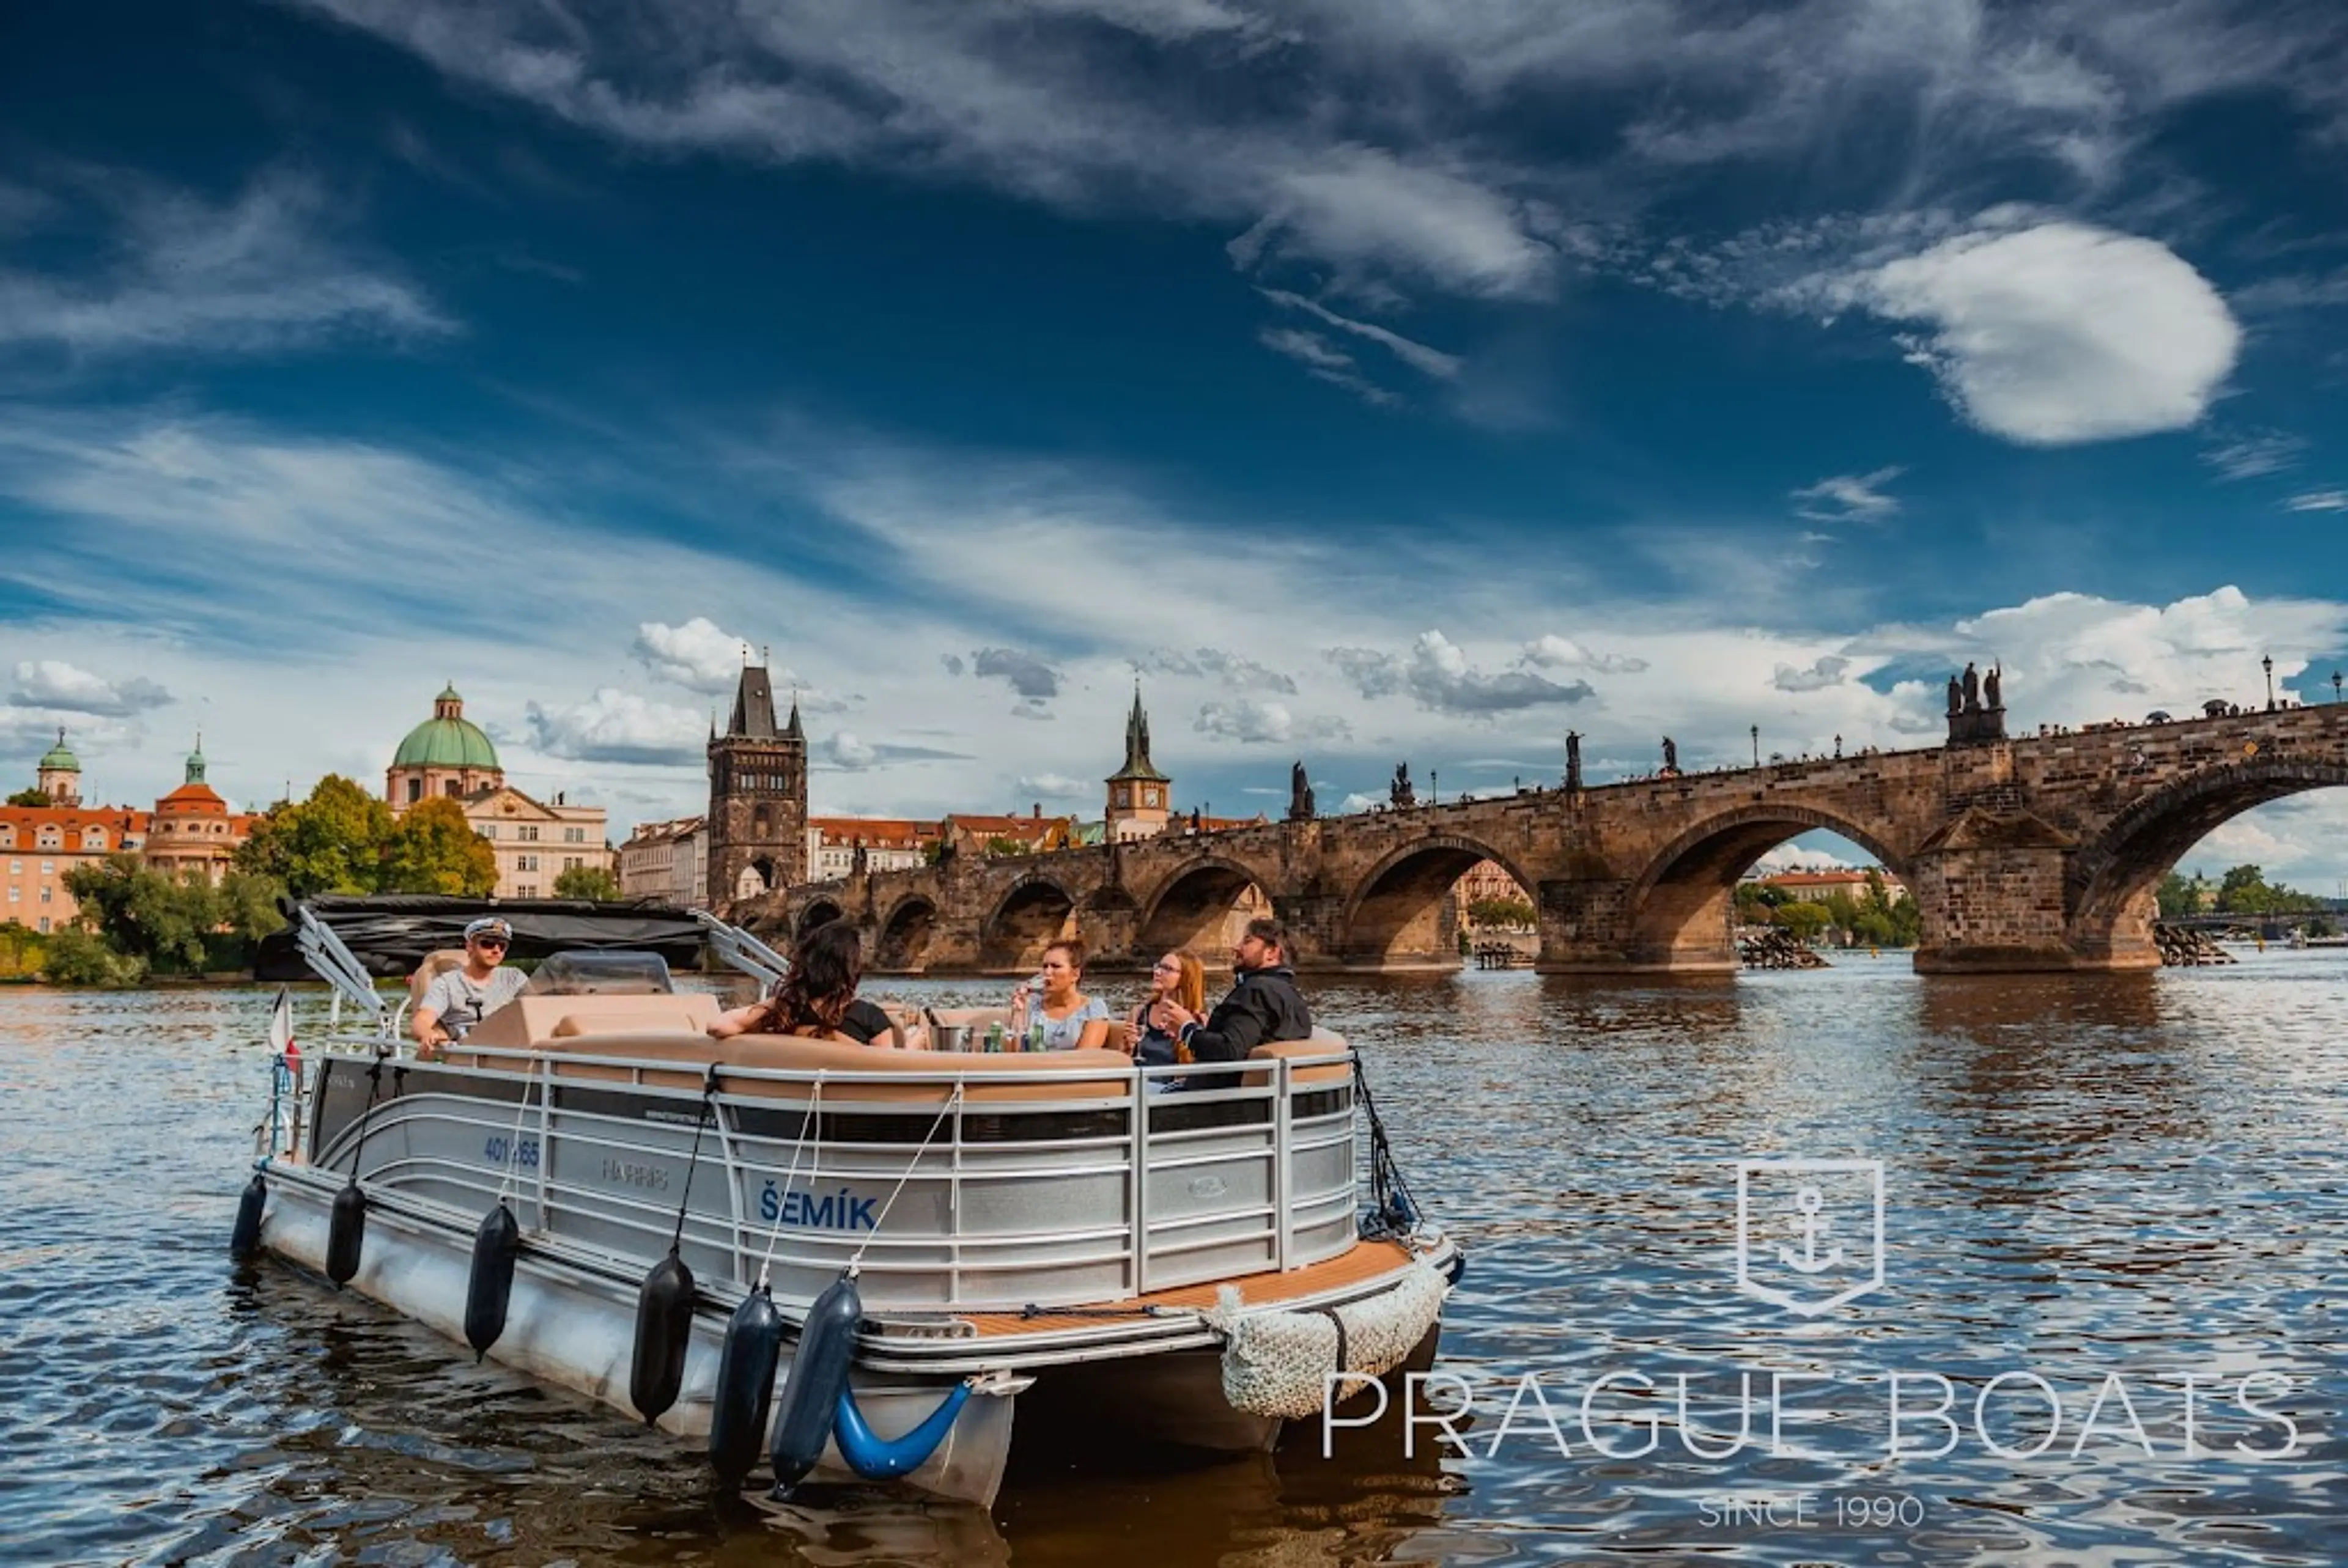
1366 1261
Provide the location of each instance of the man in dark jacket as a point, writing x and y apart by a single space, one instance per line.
1264 1003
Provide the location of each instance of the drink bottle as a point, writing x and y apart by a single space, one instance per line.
994 1037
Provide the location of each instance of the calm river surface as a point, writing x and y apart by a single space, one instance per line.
2107 1186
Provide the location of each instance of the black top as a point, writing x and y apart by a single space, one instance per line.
1264 1005
864 1022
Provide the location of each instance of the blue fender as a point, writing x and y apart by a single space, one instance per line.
819 1376
885 1459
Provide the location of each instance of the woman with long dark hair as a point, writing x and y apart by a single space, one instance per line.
818 998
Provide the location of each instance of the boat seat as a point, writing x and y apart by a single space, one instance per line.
1076 1074
1323 1043
434 966
541 1020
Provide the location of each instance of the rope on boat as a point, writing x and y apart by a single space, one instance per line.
806 1135
708 1104
944 1110
513 1146
1394 1213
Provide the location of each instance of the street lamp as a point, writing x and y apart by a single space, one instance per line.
2267 664
1756 745
2335 685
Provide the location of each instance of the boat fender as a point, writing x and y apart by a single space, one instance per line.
245 1239
745 1386
886 1458
663 1329
819 1375
496 1243
345 1233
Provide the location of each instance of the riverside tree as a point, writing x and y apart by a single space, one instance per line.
333 842
587 881
434 849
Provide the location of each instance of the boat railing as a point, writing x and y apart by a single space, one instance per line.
1000 1188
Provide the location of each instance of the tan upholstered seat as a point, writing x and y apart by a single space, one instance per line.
434 966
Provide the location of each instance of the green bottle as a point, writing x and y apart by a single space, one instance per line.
994 1037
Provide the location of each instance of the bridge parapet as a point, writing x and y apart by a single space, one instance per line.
2032 852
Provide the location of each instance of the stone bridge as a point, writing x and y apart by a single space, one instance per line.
2034 852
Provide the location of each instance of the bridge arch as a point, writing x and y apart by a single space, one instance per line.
1196 905
1394 917
818 911
1678 909
1033 913
2112 880
902 946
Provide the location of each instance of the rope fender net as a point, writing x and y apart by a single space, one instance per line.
1277 1363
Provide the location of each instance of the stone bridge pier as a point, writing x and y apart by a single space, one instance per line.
2034 852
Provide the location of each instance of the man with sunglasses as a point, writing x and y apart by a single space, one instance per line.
460 997
1264 1003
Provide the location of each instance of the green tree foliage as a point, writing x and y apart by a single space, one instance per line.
78 958
587 881
334 841
1509 913
1804 920
21 947
162 921
2245 890
249 905
29 797
435 850
2175 898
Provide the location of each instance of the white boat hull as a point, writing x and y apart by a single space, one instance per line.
579 1332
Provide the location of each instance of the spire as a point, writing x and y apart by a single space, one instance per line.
196 761
1137 765
792 730
754 705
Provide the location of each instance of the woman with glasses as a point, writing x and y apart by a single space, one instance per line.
1178 979
460 997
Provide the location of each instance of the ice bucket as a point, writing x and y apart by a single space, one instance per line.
950 1037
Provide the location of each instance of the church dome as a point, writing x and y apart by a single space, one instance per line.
59 759
447 740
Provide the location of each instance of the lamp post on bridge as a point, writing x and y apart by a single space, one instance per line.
1756 745
2335 685
2266 662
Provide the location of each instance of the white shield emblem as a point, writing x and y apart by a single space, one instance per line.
1809 1233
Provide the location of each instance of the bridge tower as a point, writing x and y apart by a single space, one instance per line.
1138 793
757 795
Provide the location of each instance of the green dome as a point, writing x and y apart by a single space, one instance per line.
58 757
446 740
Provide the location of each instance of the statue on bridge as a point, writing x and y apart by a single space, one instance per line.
858 862
1572 760
1399 793
1671 758
1300 794
1976 706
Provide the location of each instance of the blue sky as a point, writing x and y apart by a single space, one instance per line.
1380 379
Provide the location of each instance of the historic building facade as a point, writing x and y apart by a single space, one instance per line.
757 796
189 831
447 756
667 862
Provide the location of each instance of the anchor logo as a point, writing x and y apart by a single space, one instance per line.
1800 1229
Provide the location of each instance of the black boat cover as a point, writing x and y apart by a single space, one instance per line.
391 933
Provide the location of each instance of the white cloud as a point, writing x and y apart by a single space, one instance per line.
2056 333
2318 501
616 726
1552 652
1055 787
1431 362
843 749
699 655
1794 857
1826 670
54 683
1437 671
1253 719
1849 497
256 273
1026 675
2251 456
1325 361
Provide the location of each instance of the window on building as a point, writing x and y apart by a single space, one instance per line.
571 863
48 867
45 891
529 834
528 890
449 788
526 863
415 790
50 838
16 894
7 836
15 868
574 835
45 922
489 830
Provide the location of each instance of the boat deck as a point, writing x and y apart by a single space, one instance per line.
1366 1261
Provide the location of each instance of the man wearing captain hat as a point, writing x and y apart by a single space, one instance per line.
460 997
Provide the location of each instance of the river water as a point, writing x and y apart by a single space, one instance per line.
2093 1193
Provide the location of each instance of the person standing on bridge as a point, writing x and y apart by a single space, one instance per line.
1263 1004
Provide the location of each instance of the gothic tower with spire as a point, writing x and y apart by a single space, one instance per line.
757 795
1138 792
